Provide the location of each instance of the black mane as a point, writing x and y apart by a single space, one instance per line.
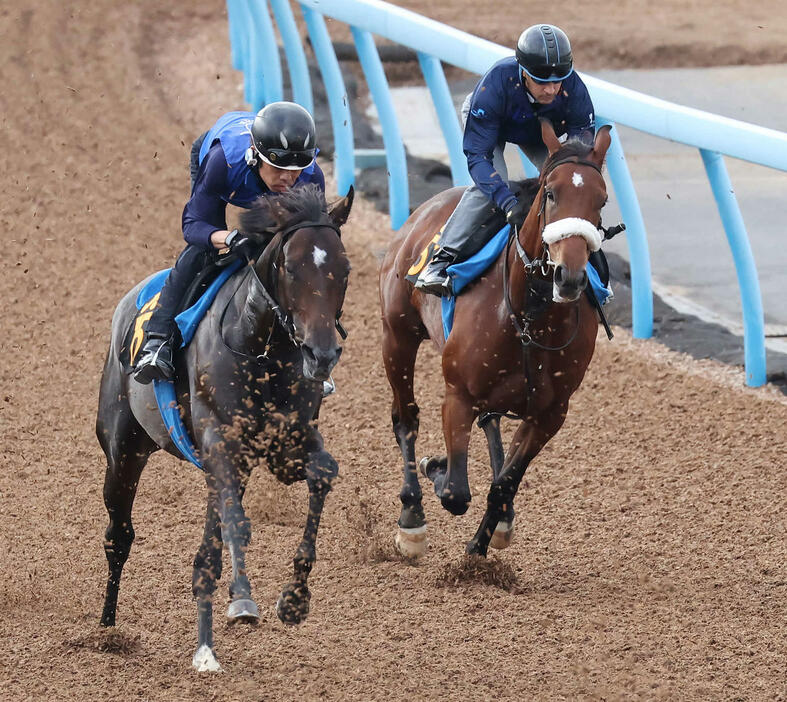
276 211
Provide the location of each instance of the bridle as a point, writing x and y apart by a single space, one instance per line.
541 265
284 320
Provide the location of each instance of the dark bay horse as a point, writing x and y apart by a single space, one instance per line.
249 387
522 337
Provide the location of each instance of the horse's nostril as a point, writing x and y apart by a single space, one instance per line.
308 352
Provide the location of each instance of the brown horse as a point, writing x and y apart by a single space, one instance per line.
522 337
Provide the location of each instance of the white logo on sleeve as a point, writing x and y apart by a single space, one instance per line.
576 179
319 256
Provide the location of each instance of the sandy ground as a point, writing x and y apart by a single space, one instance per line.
649 558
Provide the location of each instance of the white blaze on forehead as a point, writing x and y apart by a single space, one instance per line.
319 256
577 180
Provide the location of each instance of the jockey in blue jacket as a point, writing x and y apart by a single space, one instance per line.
240 158
505 107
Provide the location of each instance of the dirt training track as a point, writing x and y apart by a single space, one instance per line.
649 557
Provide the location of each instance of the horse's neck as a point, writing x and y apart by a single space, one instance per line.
249 318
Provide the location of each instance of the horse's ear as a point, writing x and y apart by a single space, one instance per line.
339 211
548 136
601 143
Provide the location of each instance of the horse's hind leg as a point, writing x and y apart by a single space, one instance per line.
399 359
504 531
293 604
127 448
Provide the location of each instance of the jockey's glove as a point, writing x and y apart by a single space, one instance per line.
517 214
240 245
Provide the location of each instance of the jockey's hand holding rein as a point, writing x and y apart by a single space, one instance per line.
219 238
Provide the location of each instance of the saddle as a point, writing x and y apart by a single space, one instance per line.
192 309
481 251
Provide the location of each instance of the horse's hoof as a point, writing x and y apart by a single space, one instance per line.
243 611
293 604
504 532
204 660
456 505
432 466
411 543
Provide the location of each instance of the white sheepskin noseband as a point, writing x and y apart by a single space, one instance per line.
572 226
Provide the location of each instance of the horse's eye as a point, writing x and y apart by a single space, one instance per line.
550 195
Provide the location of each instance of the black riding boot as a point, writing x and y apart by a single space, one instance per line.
155 361
433 278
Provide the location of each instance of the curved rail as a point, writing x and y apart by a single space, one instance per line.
435 43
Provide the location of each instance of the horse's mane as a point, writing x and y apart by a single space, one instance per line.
273 212
573 147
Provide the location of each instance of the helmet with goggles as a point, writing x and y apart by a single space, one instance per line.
544 53
283 134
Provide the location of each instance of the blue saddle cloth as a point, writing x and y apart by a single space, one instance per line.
465 272
187 322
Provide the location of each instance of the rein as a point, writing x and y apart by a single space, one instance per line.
287 324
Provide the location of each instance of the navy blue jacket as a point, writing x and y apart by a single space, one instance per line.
225 177
501 111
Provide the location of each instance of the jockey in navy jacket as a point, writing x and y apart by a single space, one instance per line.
502 112
242 157
506 107
225 177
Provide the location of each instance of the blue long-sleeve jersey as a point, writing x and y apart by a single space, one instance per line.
501 111
225 177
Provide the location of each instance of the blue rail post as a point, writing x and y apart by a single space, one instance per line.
337 99
751 298
396 160
636 237
530 170
296 57
267 47
248 56
446 116
235 21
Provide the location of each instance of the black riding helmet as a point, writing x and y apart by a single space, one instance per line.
544 53
284 136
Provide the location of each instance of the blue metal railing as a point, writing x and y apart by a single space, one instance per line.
435 43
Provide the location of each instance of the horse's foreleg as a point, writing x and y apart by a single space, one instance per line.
452 487
207 571
505 527
400 365
236 533
293 604
528 440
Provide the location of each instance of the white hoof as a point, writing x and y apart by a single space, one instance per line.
411 543
504 532
204 660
